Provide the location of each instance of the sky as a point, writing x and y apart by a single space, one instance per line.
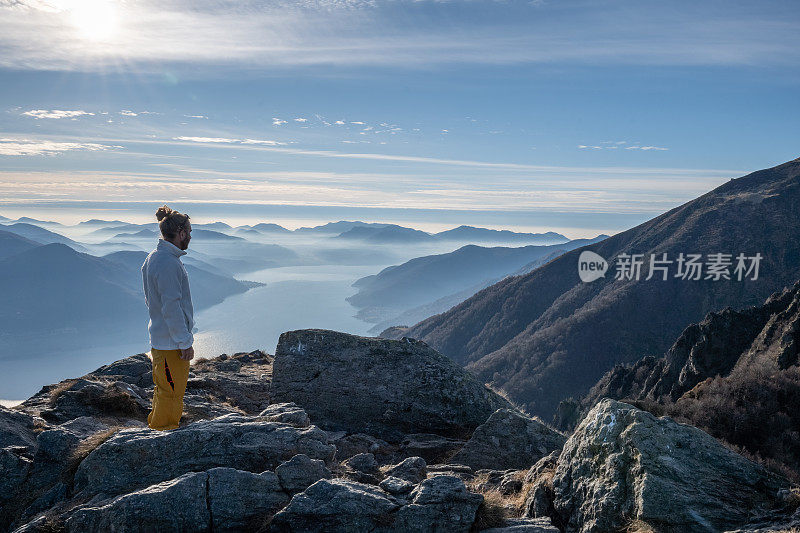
582 117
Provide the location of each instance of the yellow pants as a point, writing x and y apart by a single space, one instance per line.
170 374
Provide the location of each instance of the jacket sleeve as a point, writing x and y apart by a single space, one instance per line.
144 286
168 282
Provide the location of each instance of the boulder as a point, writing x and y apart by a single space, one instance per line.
524 525
300 472
386 388
441 503
362 468
539 480
288 413
336 505
508 439
397 487
623 463
220 499
433 448
412 469
243 501
135 458
175 505
349 445
17 428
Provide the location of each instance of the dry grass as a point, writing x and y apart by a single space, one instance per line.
83 450
57 390
491 512
503 394
637 526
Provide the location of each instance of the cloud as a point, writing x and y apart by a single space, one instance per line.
614 145
128 113
206 139
54 113
407 33
300 119
553 190
196 116
277 121
25 147
229 141
645 148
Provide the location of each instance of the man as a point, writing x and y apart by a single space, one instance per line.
166 293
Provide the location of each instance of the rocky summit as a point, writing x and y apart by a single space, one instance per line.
342 433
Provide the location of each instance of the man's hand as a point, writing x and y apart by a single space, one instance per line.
187 354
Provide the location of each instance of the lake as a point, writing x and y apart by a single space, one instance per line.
296 297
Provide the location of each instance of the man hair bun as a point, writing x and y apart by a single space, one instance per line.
163 212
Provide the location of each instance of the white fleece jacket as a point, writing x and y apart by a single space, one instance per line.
166 293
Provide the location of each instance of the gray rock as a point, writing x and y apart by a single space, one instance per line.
539 499
300 472
362 468
336 505
17 428
242 501
545 464
124 390
509 439
14 468
524 525
175 505
136 370
349 445
392 387
134 458
441 504
288 413
622 462
412 469
462 471
433 448
396 486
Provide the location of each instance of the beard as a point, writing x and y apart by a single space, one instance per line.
184 244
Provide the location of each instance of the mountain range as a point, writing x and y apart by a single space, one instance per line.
547 335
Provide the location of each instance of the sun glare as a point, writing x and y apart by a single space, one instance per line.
95 20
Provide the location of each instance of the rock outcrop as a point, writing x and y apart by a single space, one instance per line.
386 388
509 439
133 458
625 464
72 460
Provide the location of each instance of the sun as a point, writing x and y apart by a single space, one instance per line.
95 20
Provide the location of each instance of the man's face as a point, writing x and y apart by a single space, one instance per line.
185 235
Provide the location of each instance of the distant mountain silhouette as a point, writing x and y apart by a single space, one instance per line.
337 227
29 220
99 222
124 227
11 244
141 234
217 226
390 233
546 335
208 287
42 235
269 228
473 234
424 279
210 235
53 287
